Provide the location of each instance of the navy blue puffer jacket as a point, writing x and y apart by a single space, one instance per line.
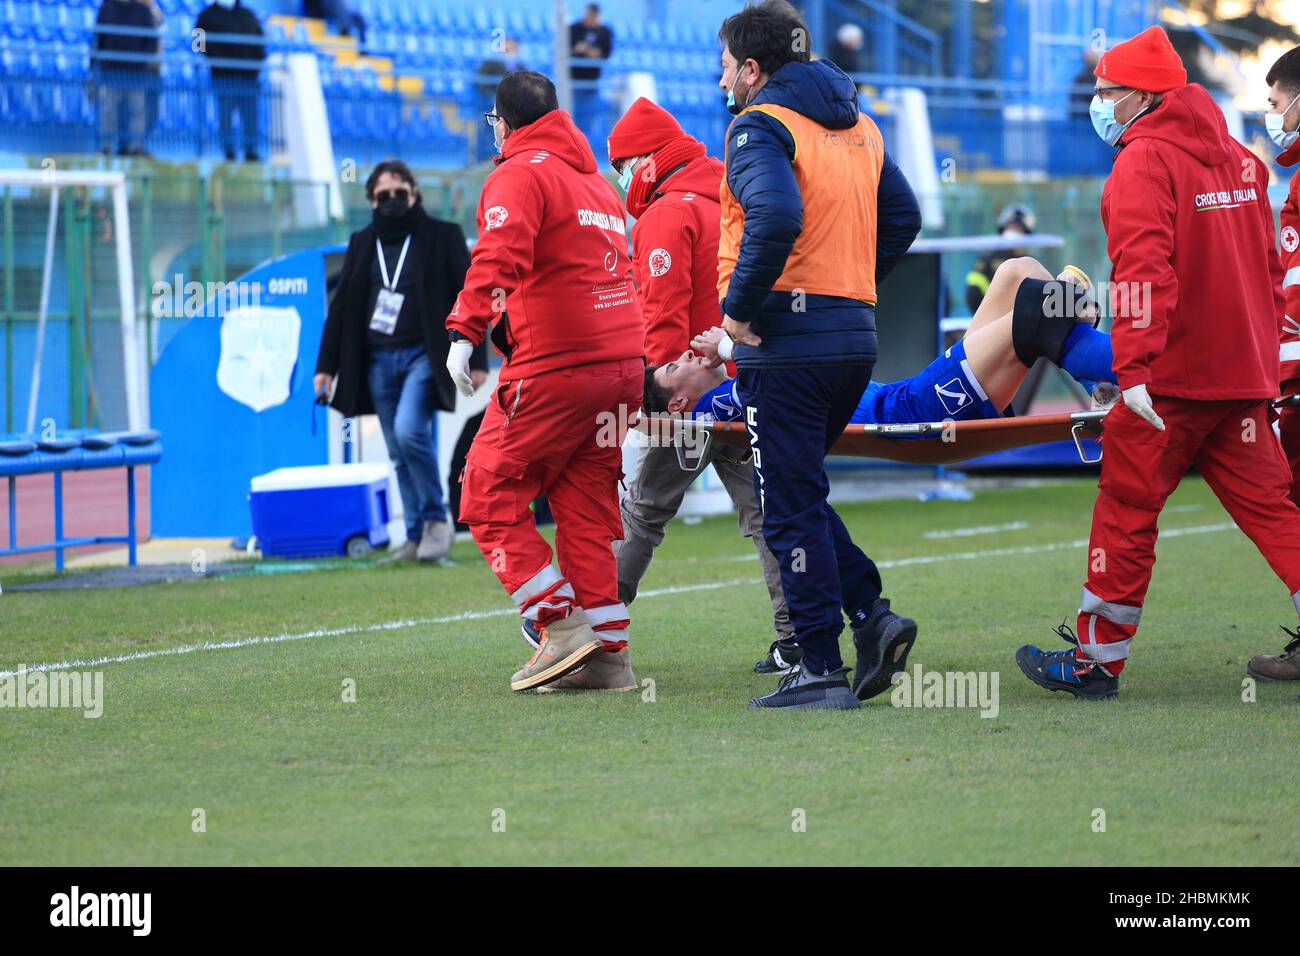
829 330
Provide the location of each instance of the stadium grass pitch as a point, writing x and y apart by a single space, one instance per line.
437 762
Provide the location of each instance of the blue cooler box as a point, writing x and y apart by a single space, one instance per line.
320 510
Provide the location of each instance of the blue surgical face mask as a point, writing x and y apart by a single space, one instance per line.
1103 118
1273 123
732 106
625 177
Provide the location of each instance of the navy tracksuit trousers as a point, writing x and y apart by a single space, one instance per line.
794 414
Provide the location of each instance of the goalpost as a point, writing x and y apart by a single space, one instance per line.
134 365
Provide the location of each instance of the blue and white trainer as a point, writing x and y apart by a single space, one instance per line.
1063 670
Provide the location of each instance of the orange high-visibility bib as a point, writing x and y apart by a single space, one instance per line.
838 172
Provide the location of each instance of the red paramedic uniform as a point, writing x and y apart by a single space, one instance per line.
1196 295
551 264
1289 330
678 220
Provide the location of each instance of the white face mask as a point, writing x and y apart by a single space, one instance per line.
1281 138
625 177
498 139
1103 118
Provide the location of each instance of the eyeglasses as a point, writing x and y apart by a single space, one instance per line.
1101 91
386 194
491 118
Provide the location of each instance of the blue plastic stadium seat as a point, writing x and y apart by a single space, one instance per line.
19 11
45 15
58 443
383 13
424 18
473 50
17 446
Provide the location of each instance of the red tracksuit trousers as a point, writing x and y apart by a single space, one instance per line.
559 433
1232 445
1288 424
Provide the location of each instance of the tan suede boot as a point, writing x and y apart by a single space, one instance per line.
607 671
1284 666
565 646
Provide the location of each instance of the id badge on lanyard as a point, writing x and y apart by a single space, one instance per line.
388 305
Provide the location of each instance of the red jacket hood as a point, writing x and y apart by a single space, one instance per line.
1187 118
1291 155
556 133
702 175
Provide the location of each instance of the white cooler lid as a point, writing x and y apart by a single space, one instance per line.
319 476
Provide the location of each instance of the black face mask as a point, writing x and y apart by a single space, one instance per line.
394 208
395 217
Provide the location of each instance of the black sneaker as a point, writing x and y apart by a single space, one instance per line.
782 658
882 644
1062 670
532 633
800 691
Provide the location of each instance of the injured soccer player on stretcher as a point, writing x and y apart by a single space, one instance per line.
1026 314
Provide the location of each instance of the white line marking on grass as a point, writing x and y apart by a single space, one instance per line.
510 612
398 625
971 532
1037 548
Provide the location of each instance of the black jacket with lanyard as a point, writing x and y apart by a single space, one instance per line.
439 259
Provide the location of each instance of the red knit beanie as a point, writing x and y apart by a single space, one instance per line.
642 129
1148 62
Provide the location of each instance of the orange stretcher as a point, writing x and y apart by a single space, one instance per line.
921 443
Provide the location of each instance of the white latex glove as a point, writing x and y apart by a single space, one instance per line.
458 365
1139 402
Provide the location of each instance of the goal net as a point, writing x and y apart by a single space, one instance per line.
71 352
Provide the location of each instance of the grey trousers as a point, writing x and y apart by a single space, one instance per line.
655 495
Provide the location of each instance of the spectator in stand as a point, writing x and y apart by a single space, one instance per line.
125 47
590 44
153 83
1083 83
486 82
339 15
236 66
498 66
846 51
1014 220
